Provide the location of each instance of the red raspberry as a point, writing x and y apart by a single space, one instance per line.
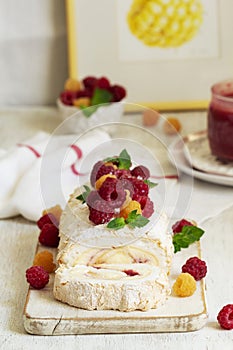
99 213
131 272
195 267
177 227
118 92
141 171
147 205
103 83
47 219
99 170
225 317
113 192
122 173
139 186
83 93
37 277
90 83
49 235
67 97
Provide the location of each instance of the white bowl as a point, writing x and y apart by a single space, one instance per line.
76 121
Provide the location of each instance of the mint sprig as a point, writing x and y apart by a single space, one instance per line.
187 236
133 220
83 196
99 97
150 183
123 161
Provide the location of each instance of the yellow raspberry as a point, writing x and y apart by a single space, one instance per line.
72 85
56 211
45 259
171 126
82 102
133 205
185 285
101 180
165 23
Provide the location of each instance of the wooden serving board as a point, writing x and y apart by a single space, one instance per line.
46 316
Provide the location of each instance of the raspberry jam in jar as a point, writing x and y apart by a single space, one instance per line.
220 120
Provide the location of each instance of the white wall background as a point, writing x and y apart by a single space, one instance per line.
33 52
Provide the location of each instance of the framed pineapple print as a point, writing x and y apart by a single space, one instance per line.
167 53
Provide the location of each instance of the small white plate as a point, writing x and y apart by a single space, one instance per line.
178 156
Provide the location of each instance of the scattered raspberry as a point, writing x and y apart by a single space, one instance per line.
101 180
99 170
99 213
131 272
67 97
113 192
103 83
185 285
118 92
90 83
72 85
47 219
49 235
133 205
177 227
141 171
37 277
56 211
225 317
45 259
195 267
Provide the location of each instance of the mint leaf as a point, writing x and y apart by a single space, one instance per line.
101 96
116 223
88 111
124 160
187 236
136 220
150 183
83 196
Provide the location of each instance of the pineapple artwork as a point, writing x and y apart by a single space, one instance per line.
165 23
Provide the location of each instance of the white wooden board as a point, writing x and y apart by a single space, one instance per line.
46 316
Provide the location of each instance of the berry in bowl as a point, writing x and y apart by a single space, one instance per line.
91 102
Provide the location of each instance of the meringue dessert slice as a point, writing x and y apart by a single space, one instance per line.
115 251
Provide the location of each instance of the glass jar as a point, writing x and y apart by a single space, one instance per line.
220 120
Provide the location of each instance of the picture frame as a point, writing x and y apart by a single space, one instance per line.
96 47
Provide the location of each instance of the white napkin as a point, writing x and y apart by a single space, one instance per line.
28 181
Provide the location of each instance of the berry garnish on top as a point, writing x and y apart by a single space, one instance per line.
121 195
184 234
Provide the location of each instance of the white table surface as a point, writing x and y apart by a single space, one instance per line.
19 238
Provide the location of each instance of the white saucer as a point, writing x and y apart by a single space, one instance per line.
202 159
179 155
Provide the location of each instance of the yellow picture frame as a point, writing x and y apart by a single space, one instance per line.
74 73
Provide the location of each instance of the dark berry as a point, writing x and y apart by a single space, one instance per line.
99 170
67 97
49 235
195 267
103 83
122 173
83 93
131 272
37 277
113 192
47 219
225 317
118 92
148 209
177 227
141 171
140 187
99 213
90 83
